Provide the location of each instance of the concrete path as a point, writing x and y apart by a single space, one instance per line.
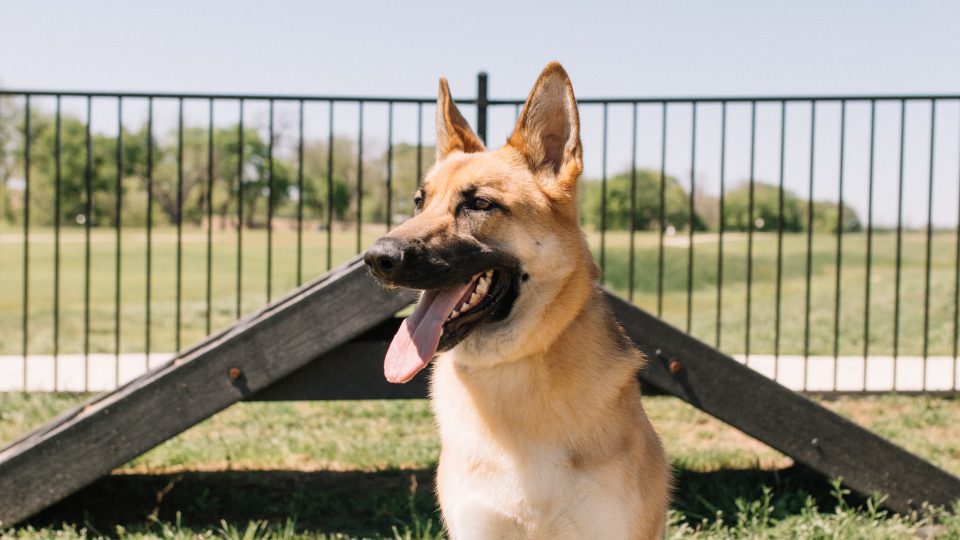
846 374
817 374
71 373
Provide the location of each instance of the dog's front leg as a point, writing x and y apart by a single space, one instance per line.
475 522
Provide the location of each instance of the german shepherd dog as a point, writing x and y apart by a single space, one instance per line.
534 384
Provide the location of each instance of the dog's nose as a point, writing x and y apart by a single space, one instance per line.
385 257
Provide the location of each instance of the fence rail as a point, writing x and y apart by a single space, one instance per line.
813 237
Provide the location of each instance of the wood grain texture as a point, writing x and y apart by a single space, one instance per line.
793 424
351 371
110 430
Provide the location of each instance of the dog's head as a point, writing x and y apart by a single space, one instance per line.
495 244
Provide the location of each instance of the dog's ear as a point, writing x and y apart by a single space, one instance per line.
453 132
547 133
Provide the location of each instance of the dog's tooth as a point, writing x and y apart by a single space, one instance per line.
455 314
483 287
465 306
475 298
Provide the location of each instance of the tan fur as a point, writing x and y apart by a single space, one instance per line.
543 432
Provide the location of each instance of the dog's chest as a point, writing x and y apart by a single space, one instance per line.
528 482
497 465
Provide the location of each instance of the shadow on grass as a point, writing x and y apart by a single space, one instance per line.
367 503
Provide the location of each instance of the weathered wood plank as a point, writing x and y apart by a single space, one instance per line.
76 448
351 371
781 418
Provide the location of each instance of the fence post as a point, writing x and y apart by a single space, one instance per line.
482 106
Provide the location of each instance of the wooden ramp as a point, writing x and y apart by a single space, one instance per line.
78 447
326 341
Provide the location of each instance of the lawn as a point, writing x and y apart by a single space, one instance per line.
364 470
703 297
163 279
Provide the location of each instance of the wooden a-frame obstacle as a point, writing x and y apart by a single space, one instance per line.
326 341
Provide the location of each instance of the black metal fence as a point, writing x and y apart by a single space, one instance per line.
816 238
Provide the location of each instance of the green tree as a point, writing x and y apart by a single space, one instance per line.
825 218
766 211
73 170
9 144
676 208
226 174
319 184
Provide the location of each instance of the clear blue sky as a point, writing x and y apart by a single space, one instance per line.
380 47
610 49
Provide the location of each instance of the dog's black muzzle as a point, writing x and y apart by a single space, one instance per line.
415 265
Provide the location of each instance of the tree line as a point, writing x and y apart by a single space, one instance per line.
706 208
184 196
151 169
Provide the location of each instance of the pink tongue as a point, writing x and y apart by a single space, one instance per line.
416 342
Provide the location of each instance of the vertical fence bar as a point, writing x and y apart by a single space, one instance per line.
58 182
896 300
389 219
926 282
482 106
210 149
419 143
240 211
27 137
118 221
603 202
693 196
270 205
179 283
633 206
87 218
836 288
809 266
780 197
149 261
663 203
300 195
750 226
723 176
866 303
359 180
330 187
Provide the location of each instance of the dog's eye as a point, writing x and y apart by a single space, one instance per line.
418 199
479 203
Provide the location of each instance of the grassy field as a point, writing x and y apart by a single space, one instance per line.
133 290
703 298
364 470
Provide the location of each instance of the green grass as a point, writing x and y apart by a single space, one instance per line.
645 287
793 290
364 470
133 288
